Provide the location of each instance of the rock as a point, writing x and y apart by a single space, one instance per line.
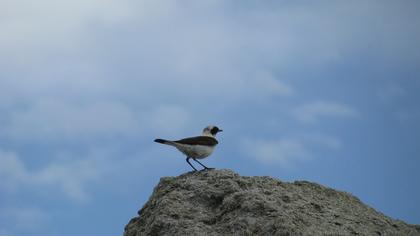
220 202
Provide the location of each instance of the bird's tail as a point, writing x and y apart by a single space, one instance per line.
163 141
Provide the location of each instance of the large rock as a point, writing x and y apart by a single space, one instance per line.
220 202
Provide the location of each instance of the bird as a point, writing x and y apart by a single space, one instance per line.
198 147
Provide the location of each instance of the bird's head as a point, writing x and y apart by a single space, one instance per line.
211 130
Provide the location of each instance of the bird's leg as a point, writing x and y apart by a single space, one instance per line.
205 167
188 161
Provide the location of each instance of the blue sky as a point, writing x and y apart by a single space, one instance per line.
323 91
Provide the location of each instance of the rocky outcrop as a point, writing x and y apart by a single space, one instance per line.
220 202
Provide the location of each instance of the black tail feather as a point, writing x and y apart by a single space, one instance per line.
161 141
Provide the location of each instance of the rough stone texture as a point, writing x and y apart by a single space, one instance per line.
220 202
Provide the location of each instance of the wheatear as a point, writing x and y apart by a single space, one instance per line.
198 147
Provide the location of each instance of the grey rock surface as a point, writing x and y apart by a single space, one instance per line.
220 202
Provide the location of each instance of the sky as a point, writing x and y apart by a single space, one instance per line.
324 91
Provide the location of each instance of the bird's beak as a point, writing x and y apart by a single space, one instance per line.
220 130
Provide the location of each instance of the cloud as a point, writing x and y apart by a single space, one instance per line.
286 152
69 176
49 121
48 23
130 50
88 67
167 119
66 178
267 83
73 175
283 152
87 73
12 171
314 111
52 119
24 218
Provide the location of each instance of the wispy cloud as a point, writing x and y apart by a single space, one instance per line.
120 49
25 218
68 177
286 152
314 111
25 23
49 121
166 119
12 171
269 84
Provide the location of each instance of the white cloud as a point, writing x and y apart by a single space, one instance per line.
67 178
284 152
266 83
53 119
70 177
12 171
24 218
50 121
314 111
29 26
134 48
287 152
166 119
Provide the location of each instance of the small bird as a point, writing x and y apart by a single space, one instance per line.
198 147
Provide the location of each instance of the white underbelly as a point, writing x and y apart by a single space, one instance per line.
195 151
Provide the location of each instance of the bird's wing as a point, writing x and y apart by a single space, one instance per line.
199 140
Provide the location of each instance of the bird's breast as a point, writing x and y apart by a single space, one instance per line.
196 151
